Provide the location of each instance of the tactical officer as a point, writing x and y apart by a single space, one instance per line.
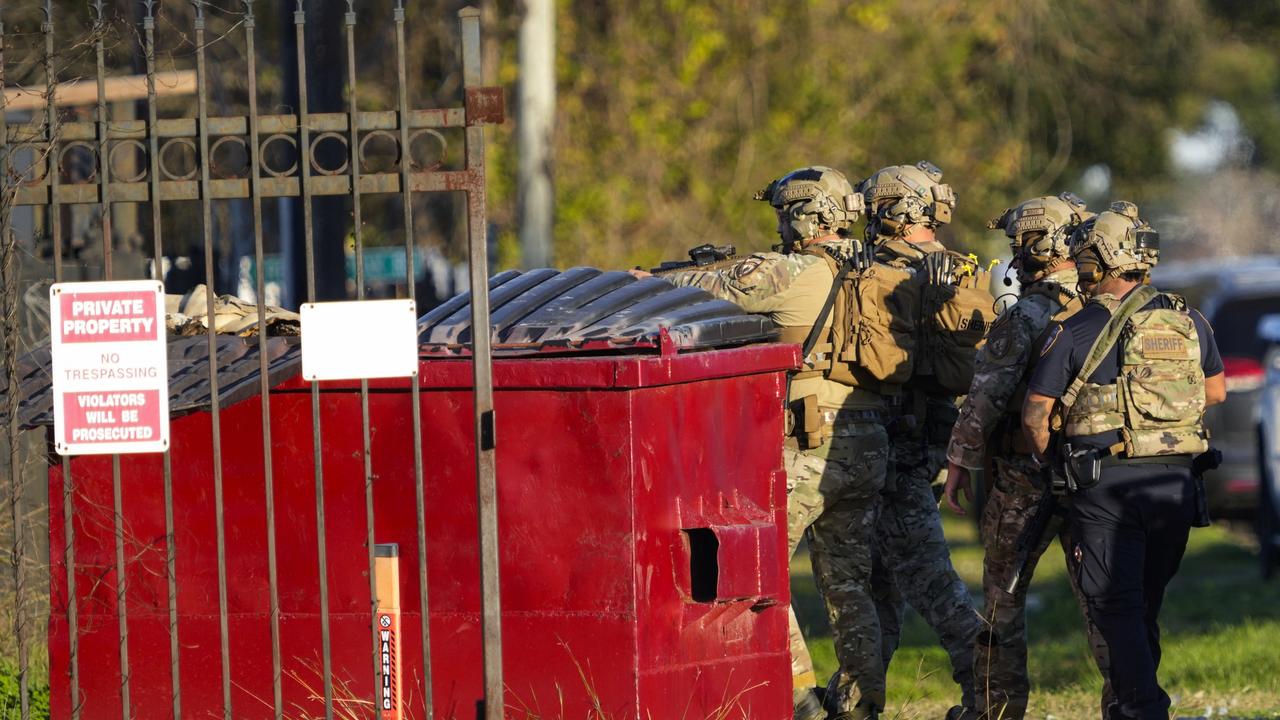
836 450
905 206
1130 376
990 430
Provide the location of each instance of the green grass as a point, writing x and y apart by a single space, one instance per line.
1221 635
1221 638
10 704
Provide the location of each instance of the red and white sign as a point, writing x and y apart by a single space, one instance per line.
110 367
389 653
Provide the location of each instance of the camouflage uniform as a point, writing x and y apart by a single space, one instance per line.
1001 651
833 488
913 562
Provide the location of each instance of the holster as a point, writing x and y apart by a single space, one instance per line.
805 422
1082 467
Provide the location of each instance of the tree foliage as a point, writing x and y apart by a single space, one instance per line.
671 113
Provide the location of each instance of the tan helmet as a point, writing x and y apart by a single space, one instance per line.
900 196
812 202
1040 230
1115 242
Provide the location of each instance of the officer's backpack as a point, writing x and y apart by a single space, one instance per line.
956 310
892 327
875 316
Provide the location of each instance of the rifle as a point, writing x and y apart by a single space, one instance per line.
701 256
1033 534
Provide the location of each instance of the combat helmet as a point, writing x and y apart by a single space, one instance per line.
1114 243
812 202
1040 230
900 196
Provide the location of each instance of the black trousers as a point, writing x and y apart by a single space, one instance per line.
1129 533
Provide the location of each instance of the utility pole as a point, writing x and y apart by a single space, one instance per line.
535 125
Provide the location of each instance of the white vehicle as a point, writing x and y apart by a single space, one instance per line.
1268 515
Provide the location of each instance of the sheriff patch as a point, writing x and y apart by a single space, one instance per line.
1164 347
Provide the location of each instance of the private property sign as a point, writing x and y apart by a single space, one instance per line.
110 369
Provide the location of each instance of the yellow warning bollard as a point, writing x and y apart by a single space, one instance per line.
387 576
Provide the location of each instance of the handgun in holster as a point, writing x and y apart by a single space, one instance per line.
1081 467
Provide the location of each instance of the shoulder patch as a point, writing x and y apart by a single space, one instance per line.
746 268
1054 333
768 272
1000 339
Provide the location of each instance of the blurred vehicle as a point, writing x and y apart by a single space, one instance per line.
1233 294
1267 522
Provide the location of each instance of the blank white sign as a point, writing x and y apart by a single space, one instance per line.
362 339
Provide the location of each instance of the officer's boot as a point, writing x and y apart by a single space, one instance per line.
841 706
865 710
806 705
966 710
960 712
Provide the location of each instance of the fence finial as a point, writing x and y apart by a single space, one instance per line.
248 9
150 6
97 11
199 6
48 12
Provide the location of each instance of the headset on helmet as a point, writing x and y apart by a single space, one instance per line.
1040 230
900 196
817 201
1115 242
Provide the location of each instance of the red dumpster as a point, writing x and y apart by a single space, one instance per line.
641 511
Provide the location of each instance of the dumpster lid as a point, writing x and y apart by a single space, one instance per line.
583 309
189 386
540 312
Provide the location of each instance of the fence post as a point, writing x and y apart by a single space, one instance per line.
482 370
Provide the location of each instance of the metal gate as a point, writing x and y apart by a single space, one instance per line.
42 180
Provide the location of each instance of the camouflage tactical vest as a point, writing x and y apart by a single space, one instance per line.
1158 398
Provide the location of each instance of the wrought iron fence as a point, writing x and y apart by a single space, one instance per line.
180 165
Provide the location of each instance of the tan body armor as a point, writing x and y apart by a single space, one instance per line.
1158 399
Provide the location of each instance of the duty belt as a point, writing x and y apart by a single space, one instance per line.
829 417
1083 466
1184 460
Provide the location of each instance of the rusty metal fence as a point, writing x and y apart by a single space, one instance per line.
164 177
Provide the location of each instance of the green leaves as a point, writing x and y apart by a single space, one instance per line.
672 113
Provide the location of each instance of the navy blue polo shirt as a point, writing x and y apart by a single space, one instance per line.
1066 345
